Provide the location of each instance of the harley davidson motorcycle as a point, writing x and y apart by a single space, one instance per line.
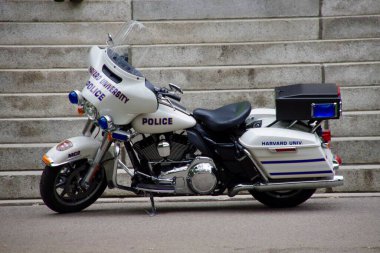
280 156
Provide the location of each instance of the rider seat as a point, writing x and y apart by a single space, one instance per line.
223 118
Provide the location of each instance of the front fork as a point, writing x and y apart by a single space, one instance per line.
95 166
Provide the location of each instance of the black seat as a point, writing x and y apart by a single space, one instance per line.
224 118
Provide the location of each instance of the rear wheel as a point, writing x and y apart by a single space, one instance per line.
280 199
61 191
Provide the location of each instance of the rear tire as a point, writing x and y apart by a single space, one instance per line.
60 187
281 199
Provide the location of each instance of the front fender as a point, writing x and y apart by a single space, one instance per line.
82 147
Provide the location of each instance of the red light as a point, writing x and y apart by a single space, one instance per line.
326 135
338 159
286 149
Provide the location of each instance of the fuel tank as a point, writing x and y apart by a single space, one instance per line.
285 153
165 119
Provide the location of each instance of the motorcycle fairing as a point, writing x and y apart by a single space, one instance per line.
121 101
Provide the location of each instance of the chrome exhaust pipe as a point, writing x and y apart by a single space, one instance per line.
284 186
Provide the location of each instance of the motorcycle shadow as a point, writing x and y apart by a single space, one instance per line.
224 207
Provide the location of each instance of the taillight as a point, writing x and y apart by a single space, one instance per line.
326 136
338 159
338 91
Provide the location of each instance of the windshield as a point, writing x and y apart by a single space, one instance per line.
118 49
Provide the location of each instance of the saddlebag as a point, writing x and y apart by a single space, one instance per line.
308 102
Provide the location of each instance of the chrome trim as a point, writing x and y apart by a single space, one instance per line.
155 179
335 165
154 190
163 148
257 165
292 124
87 128
125 168
292 185
66 162
316 126
163 102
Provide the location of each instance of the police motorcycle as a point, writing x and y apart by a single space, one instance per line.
280 156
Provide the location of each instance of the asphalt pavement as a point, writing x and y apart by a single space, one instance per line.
325 223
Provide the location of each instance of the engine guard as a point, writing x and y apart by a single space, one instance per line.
76 148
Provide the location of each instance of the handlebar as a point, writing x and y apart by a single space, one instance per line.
171 95
166 93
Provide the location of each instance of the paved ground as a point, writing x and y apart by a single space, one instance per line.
320 225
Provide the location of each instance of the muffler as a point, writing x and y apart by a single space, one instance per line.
284 186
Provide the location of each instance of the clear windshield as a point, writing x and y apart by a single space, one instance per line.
119 46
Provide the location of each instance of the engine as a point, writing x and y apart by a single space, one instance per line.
156 148
197 177
172 157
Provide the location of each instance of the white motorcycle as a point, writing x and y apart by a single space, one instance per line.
281 156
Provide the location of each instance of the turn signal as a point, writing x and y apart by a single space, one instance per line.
338 159
80 110
47 160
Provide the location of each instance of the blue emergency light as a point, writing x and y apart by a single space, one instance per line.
75 97
324 111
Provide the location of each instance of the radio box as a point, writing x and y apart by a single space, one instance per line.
308 102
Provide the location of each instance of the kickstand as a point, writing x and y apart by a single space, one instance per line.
153 212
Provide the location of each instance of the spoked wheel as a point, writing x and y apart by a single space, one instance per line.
283 198
61 191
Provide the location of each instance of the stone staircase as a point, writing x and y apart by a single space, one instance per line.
219 51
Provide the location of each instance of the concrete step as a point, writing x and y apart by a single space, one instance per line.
344 7
357 150
351 27
256 53
334 51
44 130
220 31
354 124
353 74
25 184
47 10
53 130
199 78
214 9
42 80
26 156
178 32
43 105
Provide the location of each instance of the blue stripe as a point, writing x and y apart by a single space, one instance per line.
301 173
295 161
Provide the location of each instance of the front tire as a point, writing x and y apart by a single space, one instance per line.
281 199
60 187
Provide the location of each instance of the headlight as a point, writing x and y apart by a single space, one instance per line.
90 111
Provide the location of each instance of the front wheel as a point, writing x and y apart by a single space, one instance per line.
280 199
61 191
